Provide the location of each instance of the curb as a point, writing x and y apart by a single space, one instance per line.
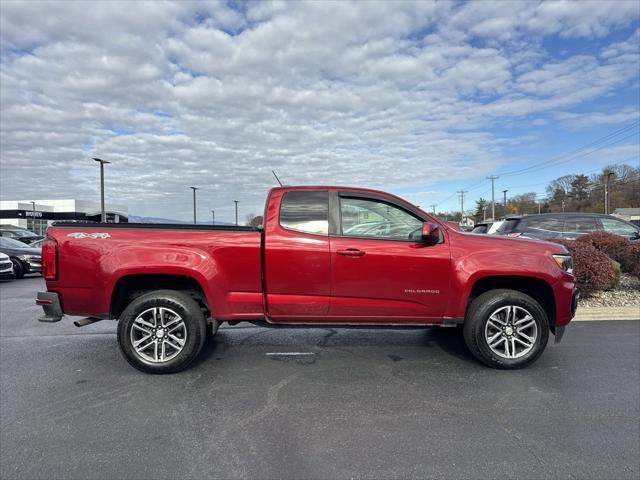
585 314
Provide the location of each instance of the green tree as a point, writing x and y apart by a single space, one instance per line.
480 213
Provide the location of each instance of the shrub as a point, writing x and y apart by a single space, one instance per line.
593 269
632 260
620 249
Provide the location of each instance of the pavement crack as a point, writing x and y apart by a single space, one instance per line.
522 443
271 403
325 338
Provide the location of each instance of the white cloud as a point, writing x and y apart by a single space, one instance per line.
389 95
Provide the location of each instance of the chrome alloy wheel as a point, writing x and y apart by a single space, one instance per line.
511 332
158 334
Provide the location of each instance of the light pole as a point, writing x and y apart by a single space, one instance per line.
236 202
103 216
504 196
213 217
194 203
33 222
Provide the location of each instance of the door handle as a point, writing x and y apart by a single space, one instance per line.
351 252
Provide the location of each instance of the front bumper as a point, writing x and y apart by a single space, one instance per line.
50 303
559 331
33 266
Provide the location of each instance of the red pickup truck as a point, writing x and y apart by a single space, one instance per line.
326 256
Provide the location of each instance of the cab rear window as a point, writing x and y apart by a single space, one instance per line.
305 212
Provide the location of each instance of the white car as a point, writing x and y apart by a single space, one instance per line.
6 266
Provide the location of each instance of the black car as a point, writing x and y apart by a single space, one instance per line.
25 259
568 226
24 236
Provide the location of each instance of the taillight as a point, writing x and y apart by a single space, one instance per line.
50 259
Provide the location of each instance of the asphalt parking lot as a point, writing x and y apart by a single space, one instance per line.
365 403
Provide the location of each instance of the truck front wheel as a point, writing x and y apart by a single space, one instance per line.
506 329
162 331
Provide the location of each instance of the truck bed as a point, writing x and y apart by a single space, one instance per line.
95 258
158 226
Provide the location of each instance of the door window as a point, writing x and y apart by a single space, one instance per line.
580 225
305 212
544 226
371 218
611 225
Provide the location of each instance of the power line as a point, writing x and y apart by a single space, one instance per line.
574 153
563 158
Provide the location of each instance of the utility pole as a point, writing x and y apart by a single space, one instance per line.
194 203
504 196
236 202
461 193
213 217
493 196
484 213
433 207
606 193
538 208
103 216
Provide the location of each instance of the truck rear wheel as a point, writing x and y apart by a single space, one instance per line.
506 329
162 331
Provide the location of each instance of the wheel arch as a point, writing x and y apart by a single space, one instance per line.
536 288
129 287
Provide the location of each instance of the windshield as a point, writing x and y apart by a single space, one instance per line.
495 227
23 233
6 242
508 225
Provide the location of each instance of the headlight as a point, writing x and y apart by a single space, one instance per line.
30 258
564 262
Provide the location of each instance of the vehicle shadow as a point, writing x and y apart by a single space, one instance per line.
447 340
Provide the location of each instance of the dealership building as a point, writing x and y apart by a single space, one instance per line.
37 215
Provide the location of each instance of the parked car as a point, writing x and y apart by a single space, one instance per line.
25 258
168 284
568 226
22 235
6 267
489 228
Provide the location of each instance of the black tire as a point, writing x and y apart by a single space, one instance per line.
478 315
18 268
183 305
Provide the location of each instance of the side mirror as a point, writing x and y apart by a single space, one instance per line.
430 233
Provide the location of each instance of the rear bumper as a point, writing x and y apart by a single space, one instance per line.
50 303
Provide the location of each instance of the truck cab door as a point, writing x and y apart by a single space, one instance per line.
381 268
297 272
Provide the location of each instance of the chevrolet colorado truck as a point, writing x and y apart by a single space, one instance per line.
326 256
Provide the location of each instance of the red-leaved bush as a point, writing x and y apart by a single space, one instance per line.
593 269
632 260
618 248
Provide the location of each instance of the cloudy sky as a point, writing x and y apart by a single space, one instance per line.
421 99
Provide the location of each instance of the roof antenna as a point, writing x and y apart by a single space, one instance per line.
274 174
